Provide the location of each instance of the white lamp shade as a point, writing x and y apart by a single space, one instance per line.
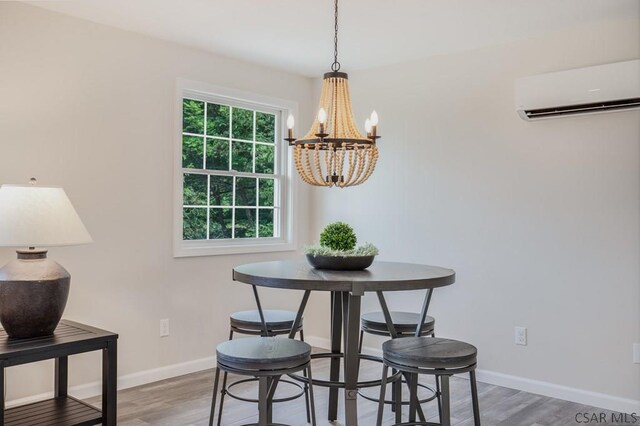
38 216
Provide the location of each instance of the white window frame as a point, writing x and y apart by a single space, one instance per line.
287 240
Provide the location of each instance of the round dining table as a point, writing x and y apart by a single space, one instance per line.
347 289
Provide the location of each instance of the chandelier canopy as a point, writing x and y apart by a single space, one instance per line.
334 152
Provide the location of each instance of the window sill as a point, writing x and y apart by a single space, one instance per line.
209 248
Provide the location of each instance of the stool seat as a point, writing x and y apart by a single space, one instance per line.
429 352
276 319
404 322
263 353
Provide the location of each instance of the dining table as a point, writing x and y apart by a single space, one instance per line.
347 289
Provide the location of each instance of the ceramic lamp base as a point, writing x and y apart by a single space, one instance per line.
33 294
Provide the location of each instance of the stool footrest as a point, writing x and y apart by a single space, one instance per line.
417 424
433 396
230 394
340 384
270 424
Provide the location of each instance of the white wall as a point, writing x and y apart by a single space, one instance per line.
539 220
90 108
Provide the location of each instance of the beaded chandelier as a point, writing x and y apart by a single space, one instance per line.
334 152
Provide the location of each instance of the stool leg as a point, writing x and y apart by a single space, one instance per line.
398 399
474 398
213 399
393 393
272 383
306 387
360 342
311 398
223 392
383 394
446 409
413 396
263 390
439 397
306 395
414 404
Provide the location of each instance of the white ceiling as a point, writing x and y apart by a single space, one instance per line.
297 35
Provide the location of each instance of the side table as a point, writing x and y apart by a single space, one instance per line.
69 338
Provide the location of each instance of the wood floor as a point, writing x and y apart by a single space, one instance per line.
186 401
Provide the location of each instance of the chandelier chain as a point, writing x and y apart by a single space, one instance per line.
336 65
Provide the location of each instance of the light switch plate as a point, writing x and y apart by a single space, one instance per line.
521 336
164 327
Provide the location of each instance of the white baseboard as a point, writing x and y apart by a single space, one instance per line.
89 390
581 396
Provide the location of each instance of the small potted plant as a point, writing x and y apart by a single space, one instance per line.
337 250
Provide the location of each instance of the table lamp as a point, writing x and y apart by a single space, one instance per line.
34 289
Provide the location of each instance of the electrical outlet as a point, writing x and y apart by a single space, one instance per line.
636 353
164 327
521 336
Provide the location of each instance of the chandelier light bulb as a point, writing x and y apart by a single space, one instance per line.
322 116
374 118
290 121
367 126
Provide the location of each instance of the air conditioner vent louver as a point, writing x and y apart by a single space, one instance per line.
621 104
598 89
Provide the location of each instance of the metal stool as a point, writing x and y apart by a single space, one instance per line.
405 324
277 323
439 357
267 359
249 322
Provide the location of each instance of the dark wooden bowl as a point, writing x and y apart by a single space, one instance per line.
340 263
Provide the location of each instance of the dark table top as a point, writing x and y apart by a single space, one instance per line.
381 276
69 337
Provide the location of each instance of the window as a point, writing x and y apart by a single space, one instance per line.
232 176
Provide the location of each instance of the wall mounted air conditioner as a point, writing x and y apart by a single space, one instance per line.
592 90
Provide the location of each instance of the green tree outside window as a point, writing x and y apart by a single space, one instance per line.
219 141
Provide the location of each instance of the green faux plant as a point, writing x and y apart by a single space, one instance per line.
338 236
339 240
367 249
